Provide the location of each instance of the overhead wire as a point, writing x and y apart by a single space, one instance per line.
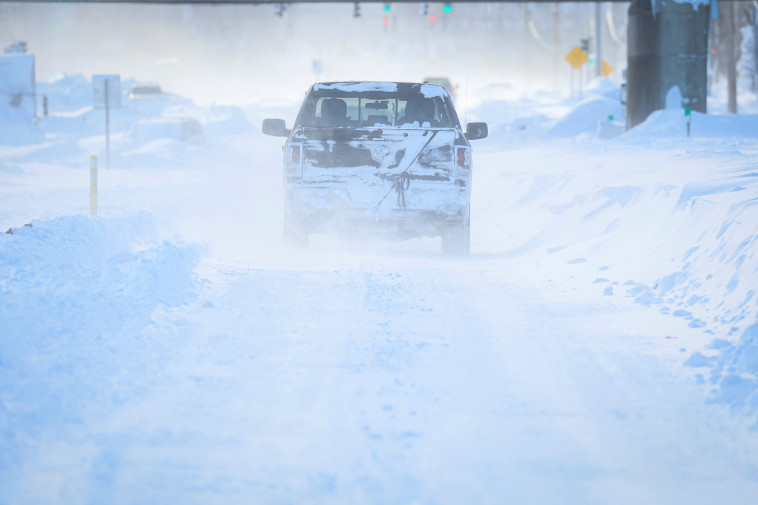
536 34
612 27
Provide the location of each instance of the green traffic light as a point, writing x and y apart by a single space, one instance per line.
386 7
447 8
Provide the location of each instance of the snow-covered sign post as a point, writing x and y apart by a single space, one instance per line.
106 93
576 58
688 117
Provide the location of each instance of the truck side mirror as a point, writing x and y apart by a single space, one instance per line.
275 127
476 131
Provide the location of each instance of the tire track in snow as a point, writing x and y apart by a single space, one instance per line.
417 380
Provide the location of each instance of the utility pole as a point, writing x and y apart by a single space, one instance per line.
666 48
728 11
525 55
556 44
598 59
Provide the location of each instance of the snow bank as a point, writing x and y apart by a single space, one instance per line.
226 120
672 123
20 133
544 116
599 115
17 100
166 131
708 242
56 274
669 222
67 93
603 86
509 122
734 371
76 294
666 232
585 116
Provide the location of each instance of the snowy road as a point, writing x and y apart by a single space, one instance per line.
428 381
596 347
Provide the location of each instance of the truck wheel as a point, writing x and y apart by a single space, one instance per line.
456 239
295 234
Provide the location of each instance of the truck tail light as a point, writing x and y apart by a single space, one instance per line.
294 161
463 157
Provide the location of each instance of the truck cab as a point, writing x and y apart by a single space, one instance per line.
387 158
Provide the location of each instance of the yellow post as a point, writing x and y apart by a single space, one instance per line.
93 185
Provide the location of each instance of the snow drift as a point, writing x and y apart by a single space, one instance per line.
74 294
668 221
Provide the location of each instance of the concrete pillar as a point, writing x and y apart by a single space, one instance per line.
667 47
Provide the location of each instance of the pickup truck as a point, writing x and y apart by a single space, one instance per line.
386 158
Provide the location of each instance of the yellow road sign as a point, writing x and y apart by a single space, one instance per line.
576 57
605 68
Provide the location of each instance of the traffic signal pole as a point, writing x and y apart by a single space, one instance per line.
598 45
667 48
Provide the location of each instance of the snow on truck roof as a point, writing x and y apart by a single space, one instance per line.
427 90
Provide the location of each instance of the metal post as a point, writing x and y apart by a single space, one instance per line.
688 118
556 45
525 49
581 72
572 81
93 185
107 128
598 59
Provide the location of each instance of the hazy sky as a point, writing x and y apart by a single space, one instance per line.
245 52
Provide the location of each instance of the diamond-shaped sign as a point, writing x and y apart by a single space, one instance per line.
576 57
605 68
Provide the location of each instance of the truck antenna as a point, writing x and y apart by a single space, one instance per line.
465 103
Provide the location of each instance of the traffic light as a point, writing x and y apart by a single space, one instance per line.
280 8
447 8
356 10
387 8
424 8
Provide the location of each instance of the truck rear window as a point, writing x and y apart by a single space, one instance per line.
337 108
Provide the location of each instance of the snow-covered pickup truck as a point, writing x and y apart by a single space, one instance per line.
384 158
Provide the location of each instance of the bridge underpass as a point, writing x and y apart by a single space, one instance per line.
667 47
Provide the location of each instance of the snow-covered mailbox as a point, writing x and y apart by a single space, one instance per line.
18 105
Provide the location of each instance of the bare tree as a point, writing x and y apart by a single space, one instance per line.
731 46
727 47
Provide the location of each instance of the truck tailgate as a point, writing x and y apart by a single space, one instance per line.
380 153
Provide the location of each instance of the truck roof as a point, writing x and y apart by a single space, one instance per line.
426 89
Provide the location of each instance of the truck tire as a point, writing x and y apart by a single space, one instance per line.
456 239
295 235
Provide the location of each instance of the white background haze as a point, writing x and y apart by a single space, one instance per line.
599 345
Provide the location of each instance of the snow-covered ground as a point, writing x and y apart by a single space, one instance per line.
600 345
